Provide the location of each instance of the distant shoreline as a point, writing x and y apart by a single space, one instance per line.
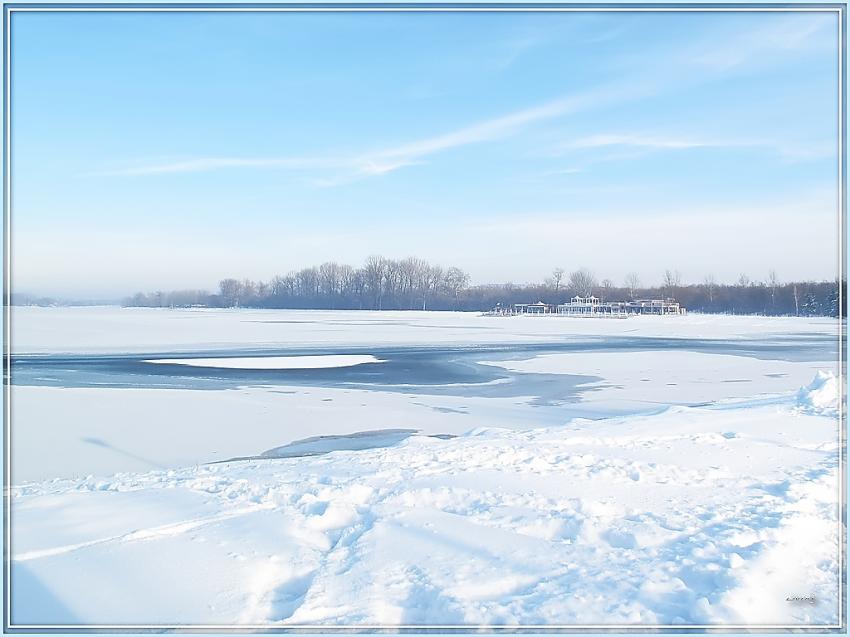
121 306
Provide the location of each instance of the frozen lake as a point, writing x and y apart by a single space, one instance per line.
416 366
96 390
409 468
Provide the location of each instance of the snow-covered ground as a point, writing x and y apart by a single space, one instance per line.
691 516
674 484
77 432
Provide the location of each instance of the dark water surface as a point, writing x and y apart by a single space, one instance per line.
452 370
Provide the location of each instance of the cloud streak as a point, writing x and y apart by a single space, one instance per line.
642 141
385 160
640 144
788 36
206 164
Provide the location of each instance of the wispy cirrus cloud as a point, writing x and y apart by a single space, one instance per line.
563 171
205 164
785 36
336 169
639 144
652 142
333 169
363 166
495 128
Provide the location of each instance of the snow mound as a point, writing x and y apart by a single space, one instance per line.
821 396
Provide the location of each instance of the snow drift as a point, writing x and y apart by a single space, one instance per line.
821 396
690 517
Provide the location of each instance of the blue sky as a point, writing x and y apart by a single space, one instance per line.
168 150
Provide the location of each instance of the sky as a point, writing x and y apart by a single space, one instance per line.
167 150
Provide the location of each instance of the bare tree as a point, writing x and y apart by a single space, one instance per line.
710 285
456 280
743 281
392 278
672 281
290 284
346 279
247 292
329 279
582 282
432 277
773 284
632 283
356 286
607 286
373 272
307 281
411 277
230 291
557 277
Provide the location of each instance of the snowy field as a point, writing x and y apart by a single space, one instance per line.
649 471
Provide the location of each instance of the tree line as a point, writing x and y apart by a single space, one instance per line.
412 283
380 284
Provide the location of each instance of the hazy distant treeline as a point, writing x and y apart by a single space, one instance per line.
380 284
55 301
407 284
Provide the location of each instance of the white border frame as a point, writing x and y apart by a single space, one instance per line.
12 7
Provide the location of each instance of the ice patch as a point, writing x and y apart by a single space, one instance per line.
272 362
